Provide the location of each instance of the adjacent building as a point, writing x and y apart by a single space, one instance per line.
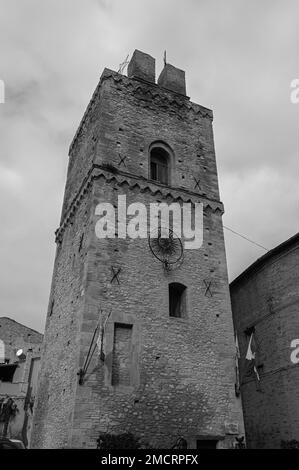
265 305
20 351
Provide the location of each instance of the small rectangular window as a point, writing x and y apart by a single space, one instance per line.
177 300
122 354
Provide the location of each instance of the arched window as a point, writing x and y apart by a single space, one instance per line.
177 300
159 164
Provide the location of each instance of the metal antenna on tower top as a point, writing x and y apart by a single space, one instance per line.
123 64
164 58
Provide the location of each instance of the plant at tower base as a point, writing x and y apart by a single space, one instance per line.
293 444
107 441
240 443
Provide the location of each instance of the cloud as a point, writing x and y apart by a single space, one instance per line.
239 58
9 179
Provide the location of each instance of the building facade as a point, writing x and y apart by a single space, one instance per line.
163 365
20 351
265 303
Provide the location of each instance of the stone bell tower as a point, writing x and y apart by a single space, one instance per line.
161 364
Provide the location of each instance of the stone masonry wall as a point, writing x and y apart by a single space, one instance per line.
181 369
60 359
184 382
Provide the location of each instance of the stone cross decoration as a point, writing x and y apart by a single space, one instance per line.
208 288
115 271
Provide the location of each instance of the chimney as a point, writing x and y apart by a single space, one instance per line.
173 79
142 66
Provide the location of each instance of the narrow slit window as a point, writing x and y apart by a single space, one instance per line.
122 354
177 300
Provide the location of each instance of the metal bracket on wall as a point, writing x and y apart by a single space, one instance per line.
92 346
97 341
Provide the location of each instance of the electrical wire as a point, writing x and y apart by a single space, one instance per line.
246 238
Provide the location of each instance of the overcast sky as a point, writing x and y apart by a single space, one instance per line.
240 58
